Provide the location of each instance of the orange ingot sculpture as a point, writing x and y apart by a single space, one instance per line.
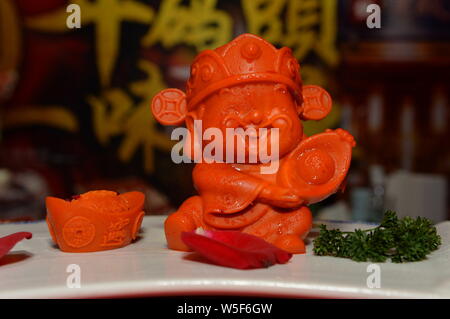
249 83
96 220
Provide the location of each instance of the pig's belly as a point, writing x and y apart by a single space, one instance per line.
264 221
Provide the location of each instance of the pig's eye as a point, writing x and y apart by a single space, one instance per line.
279 123
231 122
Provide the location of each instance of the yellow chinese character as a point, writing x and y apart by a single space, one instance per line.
109 112
200 25
310 25
115 114
107 16
263 18
141 127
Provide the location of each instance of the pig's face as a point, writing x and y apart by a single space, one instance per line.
250 109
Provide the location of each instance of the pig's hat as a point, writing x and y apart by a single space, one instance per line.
246 59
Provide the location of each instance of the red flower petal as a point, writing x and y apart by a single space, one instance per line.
235 249
8 242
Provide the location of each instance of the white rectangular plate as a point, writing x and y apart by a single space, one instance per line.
37 269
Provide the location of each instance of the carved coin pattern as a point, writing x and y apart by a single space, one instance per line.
78 232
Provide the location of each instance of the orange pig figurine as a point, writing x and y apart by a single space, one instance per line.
249 85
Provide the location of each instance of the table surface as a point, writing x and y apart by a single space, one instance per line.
36 268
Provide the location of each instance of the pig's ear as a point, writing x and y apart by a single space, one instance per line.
169 107
316 103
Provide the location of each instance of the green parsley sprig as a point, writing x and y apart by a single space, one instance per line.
401 240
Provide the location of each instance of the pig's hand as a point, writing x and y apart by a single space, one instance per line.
279 197
344 135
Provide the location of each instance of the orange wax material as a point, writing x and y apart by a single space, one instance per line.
94 221
248 83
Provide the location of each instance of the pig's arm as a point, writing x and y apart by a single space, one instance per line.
223 189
